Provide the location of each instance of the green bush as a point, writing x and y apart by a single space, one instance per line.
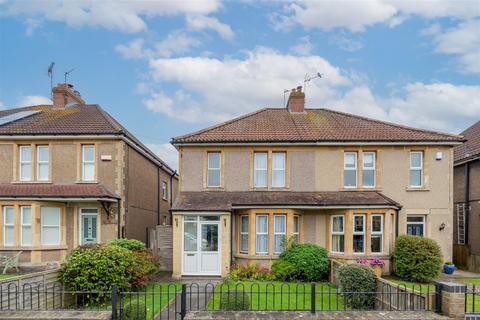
355 278
135 310
147 265
310 260
417 258
285 271
234 300
250 272
130 244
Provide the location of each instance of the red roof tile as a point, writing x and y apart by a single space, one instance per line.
471 148
315 125
49 190
226 201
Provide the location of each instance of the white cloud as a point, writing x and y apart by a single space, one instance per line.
125 16
166 152
2 105
132 50
202 22
33 100
304 47
345 42
462 40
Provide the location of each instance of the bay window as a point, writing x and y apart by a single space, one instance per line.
25 163
278 169
338 235
262 234
279 233
350 170
42 163
296 229
50 220
260 174
88 162
358 233
416 169
8 225
244 234
368 169
213 169
26 222
376 234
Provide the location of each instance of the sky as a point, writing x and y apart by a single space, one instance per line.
167 68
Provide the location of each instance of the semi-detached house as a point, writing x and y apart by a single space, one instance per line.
348 183
70 174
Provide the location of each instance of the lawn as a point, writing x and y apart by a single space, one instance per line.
417 286
282 296
155 296
470 300
7 276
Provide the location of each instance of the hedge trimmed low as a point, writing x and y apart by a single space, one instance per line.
417 258
359 284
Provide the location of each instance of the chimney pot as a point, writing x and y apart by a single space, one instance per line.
63 94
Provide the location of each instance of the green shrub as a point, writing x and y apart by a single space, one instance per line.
234 300
130 244
147 265
250 272
417 258
310 260
135 310
285 271
354 278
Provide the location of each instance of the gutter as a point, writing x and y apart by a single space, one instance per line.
276 206
316 143
59 198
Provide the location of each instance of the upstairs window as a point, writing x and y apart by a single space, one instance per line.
42 163
368 169
8 226
25 163
213 169
338 235
164 190
88 162
416 169
358 233
260 170
278 169
350 170
244 234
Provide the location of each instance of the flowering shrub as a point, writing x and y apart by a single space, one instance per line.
371 262
251 272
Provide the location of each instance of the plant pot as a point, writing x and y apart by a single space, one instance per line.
448 268
377 269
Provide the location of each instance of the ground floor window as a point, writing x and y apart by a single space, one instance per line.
50 220
279 233
8 225
244 234
262 234
338 235
358 233
296 229
416 225
26 221
376 234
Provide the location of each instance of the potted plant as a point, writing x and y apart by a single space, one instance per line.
375 263
448 267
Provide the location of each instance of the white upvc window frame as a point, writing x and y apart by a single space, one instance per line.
88 162
9 225
23 163
257 170
374 169
243 233
412 168
423 223
279 170
164 190
357 233
214 169
279 233
25 225
59 226
41 163
355 168
337 233
257 233
377 233
296 228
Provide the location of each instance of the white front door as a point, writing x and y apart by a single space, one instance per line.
201 245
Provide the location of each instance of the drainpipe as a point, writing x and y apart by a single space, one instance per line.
158 196
466 172
119 228
171 195
231 238
396 222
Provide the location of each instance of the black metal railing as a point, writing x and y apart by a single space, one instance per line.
472 300
173 301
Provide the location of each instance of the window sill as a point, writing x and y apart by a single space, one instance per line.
34 182
86 182
377 189
213 189
417 189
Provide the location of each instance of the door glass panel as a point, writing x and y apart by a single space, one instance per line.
85 227
190 236
209 237
94 227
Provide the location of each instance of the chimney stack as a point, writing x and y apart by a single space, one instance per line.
63 94
296 100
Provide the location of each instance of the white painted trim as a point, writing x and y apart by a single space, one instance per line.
80 223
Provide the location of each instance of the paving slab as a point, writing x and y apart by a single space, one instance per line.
60 315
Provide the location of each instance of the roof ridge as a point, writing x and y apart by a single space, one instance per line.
388 123
218 125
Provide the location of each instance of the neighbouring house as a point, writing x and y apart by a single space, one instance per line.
70 174
348 183
466 197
